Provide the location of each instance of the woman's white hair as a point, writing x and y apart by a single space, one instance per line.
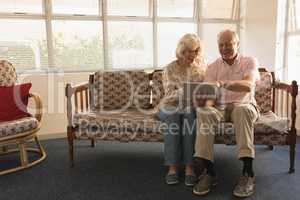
189 41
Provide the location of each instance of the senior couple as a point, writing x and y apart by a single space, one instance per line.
185 137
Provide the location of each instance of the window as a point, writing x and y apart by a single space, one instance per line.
293 42
85 35
79 7
23 42
293 58
175 8
168 35
128 7
297 14
21 6
226 9
76 48
130 44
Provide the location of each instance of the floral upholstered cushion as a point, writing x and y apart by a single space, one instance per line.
8 75
130 125
142 89
269 123
121 90
17 126
263 92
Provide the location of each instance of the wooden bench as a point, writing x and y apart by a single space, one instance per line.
119 106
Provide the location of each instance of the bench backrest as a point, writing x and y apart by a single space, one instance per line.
111 90
264 91
137 89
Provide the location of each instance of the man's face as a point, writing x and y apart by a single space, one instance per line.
228 46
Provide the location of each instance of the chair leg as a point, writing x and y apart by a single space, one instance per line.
38 144
71 141
23 154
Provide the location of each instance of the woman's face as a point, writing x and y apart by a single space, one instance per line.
190 54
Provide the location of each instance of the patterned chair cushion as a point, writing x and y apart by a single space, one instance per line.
263 92
130 125
8 75
17 126
157 88
269 129
121 90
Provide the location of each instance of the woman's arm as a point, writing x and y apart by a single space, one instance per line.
171 84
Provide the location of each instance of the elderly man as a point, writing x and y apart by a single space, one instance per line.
236 75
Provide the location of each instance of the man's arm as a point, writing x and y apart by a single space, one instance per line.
251 75
244 85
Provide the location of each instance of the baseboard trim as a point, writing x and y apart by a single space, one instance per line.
52 136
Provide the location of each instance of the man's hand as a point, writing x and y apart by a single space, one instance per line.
237 85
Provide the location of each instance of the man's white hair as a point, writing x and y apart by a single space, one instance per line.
233 34
189 41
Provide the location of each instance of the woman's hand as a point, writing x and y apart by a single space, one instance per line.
199 102
203 102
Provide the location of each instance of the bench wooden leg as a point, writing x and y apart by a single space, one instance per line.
292 150
71 148
271 147
4 149
93 144
292 158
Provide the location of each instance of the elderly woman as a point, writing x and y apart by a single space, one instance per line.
179 136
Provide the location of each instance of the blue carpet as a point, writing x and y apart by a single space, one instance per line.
132 171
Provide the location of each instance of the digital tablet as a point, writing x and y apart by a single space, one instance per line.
199 90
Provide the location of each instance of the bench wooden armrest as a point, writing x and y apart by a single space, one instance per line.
283 92
80 94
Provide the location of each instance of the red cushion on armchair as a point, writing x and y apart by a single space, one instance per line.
14 101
